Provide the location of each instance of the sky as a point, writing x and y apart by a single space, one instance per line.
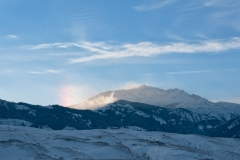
63 52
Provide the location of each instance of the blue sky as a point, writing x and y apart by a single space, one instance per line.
62 52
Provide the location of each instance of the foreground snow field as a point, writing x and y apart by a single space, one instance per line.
30 143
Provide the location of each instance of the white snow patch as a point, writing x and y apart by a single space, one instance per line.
46 127
200 127
69 128
48 107
159 120
22 107
140 113
135 128
101 113
89 123
117 112
75 115
209 126
15 122
32 112
233 124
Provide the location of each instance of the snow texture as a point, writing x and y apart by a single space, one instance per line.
31 143
14 122
233 124
24 108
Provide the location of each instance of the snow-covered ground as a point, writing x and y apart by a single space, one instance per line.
31 143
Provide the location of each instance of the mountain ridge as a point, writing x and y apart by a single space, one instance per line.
171 98
137 94
117 115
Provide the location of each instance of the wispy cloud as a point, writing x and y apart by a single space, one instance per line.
9 70
49 71
199 71
65 54
52 71
149 7
221 3
43 46
211 2
175 37
231 70
147 49
35 72
11 36
202 36
190 72
103 50
226 17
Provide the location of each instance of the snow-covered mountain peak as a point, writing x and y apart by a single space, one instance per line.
143 94
142 86
174 90
170 98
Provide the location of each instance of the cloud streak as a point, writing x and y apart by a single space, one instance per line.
49 71
34 72
190 72
221 3
52 45
153 6
147 49
52 71
11 37
102 50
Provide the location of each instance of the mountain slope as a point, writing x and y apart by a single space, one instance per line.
230 128
171 98
116 115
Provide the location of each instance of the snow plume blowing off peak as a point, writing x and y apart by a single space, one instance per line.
143 94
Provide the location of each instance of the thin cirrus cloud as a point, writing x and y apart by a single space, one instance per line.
221 3
52 71
190 72
147 49
42 46
34 72
49 71
103 50
153 6
11 37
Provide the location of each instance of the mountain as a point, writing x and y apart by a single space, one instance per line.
142 94
171 98
120 114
